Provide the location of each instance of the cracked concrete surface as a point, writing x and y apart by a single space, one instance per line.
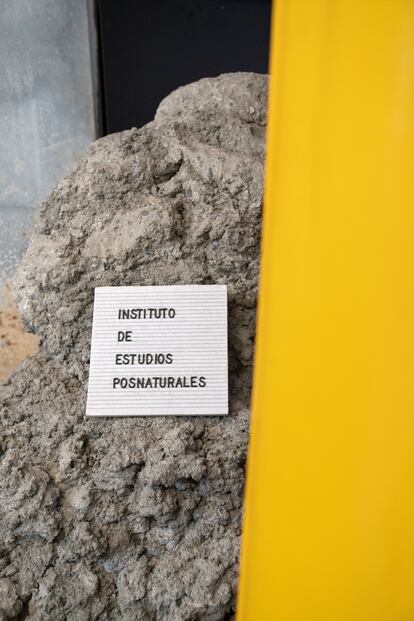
134 518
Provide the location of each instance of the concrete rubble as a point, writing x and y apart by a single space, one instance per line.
134 518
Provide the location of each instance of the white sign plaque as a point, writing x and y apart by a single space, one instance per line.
159 351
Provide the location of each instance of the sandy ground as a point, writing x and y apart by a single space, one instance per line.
15 343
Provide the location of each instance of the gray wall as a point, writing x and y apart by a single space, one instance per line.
46 109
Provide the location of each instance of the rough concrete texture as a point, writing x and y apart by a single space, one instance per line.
134 518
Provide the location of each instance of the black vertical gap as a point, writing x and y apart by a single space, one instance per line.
103 121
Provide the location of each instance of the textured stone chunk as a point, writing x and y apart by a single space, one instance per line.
134 519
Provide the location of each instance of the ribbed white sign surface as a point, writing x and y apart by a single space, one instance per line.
159 351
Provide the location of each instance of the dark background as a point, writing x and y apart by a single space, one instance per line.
150 47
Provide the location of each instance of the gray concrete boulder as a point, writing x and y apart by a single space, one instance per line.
134 518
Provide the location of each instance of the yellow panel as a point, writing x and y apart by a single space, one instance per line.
329 524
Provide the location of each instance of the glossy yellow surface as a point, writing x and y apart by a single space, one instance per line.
329 525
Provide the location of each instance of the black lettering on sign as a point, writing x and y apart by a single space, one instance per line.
125 335
158 381
146 313
141 359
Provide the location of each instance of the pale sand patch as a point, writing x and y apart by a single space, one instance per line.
15 343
